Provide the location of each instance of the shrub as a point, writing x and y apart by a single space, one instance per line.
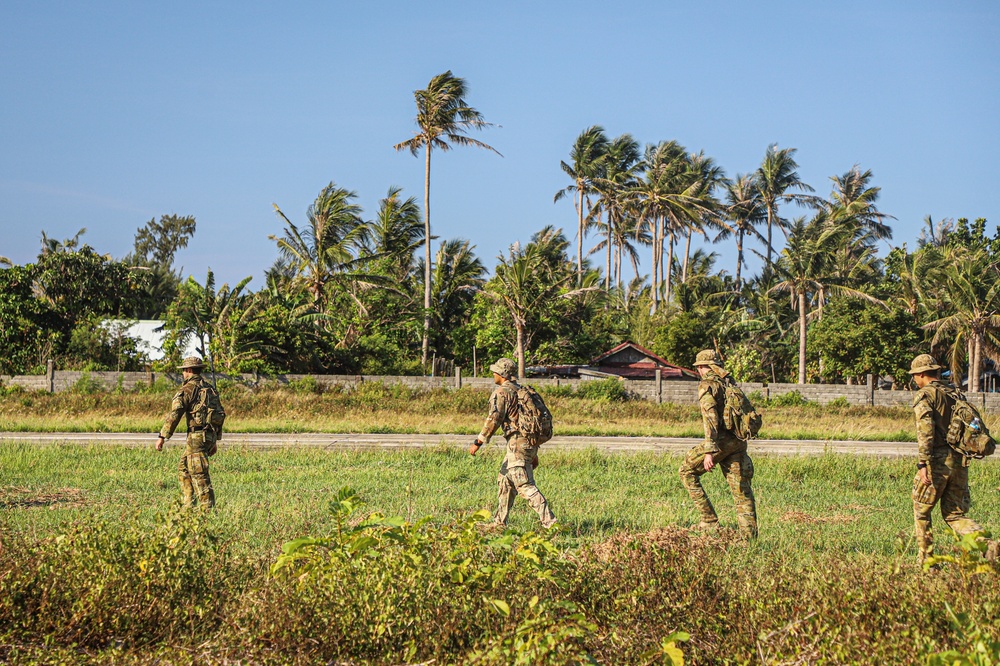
87 385
790 399
839 403
305 385
606 390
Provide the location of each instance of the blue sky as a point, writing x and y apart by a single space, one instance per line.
116 112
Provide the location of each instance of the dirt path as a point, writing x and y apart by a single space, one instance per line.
334 441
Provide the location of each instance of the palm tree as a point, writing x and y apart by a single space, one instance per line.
525 279
970 281
396 232
853 202
776 175
805 269
706 177
618 174
587 154
52 245
325 251
458 275
443 118
744 211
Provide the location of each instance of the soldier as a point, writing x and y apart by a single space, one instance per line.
516 475
942 472
721 447
191 401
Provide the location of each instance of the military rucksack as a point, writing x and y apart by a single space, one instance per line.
967 432
534 420
738 414
207 411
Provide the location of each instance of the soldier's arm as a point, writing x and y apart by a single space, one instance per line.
173 417
924 413
496 416
709 418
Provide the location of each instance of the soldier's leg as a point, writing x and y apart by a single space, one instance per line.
523 479
187 491
200 480
690 471
956 500
506 493
924 499
738 470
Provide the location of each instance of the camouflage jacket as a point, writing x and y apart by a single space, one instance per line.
181 405
711 399
502 412
932 410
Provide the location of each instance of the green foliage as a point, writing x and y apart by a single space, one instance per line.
87 385
839 403
604 390
98 345
100 581
682 336
746 364
306 384
856 338
790 399
983 648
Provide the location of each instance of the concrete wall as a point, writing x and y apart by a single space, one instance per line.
666 391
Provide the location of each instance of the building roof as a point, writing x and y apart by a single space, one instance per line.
630 360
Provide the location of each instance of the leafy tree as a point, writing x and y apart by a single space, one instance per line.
82 282
154 248
98 344
29 328
458 275
855 338
443 118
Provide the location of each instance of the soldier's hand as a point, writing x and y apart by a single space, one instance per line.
159 443
474 447
925 475
534 462
709 462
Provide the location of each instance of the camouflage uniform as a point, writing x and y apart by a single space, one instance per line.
948 469
516 475
728 451
193 469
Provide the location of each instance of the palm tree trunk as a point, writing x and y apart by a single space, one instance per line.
769 246
579 245
607 281
670 268
663 235
970 356
739 259
977 347
687 253
425 345
656 262
519 325
802 337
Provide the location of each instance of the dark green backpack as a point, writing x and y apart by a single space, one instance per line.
534 420
208 412
967 432
738 414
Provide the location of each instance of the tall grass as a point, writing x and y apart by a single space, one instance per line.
96 565
376 408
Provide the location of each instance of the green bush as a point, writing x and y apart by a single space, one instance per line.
839 403
87 385
790 399
607 390
305 385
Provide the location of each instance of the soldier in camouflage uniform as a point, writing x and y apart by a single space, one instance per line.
516 475
942 472
721 447
193 471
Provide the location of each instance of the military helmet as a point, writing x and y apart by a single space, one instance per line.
505 368
707 357
192 362
924 363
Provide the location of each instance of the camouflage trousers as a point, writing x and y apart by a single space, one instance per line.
514 481
737 467
950 486
193 473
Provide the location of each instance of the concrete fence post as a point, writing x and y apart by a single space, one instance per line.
458 376
50 375
870 395
659 386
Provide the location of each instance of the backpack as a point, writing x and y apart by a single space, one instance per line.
207 412
534 420
738 414
967 432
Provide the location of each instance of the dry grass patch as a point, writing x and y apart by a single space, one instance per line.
12 497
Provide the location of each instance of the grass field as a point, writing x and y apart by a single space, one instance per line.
832 579
374 408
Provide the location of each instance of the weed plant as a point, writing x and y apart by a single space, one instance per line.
97 567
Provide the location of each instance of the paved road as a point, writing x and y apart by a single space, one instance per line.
332 441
